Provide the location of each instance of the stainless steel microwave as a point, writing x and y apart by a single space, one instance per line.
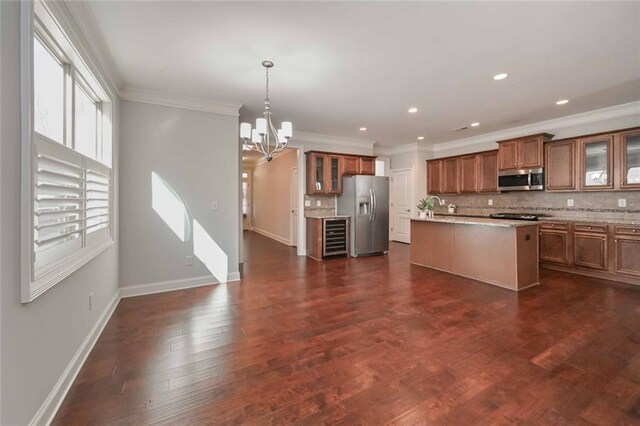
521 180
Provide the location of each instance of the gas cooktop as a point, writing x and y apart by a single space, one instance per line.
516 216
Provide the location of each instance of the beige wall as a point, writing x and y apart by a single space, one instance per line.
271 196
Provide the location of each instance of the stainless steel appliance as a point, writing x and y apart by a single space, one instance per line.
521 180
366 200
517 216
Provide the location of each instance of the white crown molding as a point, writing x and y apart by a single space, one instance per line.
402 149
302 137
589 117
80 21
157 98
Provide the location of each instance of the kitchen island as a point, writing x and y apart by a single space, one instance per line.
495 251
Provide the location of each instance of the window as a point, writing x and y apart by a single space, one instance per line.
69 166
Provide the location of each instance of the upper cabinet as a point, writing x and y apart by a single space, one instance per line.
560 165
595 157
600 162
463 174
629 148
325 170
522 153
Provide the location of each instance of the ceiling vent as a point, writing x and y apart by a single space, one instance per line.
461 128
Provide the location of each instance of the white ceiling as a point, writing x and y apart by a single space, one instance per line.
340 66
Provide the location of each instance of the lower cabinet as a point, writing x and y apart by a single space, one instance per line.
327 237
606 251
554 246
627 250
590 250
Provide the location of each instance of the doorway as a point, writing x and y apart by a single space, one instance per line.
246 199
400 205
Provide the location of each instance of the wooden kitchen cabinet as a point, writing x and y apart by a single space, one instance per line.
522 153
555 243
367 166
627 250
324 175
469 173
350 165
629 154
434 177
488 171
590 248
560 166
595 161
450 176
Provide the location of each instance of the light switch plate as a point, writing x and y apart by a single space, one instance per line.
188 260
307 203
569 202
214 206
490 201
318 203
622 202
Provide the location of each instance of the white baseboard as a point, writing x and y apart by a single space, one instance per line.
272 236
51 404
163 286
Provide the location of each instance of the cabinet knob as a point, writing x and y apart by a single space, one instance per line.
634 230
615 241
588 227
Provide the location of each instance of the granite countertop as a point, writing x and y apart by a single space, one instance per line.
328 216
485 221
591 220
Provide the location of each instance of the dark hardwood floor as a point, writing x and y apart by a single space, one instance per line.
365 341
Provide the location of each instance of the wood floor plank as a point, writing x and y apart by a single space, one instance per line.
365 341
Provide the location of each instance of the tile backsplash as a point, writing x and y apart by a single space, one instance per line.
327 205
585 204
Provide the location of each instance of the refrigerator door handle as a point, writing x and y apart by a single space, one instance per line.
375 205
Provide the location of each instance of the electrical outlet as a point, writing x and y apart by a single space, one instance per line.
188 260
318 203
307 203
91 301
622 202
214 206
569 202
490 201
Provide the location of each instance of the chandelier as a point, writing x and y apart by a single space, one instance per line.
265 139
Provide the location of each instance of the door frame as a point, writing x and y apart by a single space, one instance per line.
392 199
294 190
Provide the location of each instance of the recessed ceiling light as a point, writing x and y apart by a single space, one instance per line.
413 110
475 124
500 76
562 102
363 129
420 138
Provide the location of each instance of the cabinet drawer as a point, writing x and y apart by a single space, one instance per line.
554 225
590 227
628 230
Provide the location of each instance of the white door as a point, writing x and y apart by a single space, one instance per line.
401 202
246 200
294 206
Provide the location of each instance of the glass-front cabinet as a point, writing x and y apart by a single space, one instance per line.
334 174
596 162
630 159
324 173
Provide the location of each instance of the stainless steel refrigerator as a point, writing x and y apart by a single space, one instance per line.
366 200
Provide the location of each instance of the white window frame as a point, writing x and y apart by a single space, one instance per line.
38 18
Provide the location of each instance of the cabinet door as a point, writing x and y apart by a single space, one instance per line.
627 255
530 152
590 250
488 172
554 246
560 166
469 173
450 177
350 165
367 166
508 155
333 182
630 159
434 177
596 162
